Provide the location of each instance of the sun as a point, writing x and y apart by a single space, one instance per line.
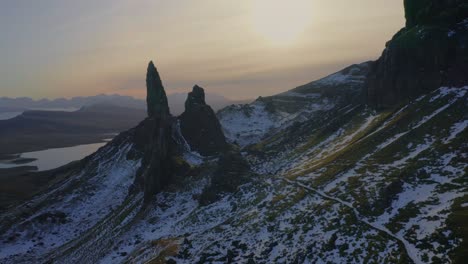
281 22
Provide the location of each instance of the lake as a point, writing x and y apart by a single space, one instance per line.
56 157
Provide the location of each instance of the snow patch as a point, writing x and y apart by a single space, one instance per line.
456 129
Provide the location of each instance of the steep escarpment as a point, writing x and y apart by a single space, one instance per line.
430 52
200 126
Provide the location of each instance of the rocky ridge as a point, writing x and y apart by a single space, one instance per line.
430 52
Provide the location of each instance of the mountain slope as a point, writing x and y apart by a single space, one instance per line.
246 124
356 186
320 174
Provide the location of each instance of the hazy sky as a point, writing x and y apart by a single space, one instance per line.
240 49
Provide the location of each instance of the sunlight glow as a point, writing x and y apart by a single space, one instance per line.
281 22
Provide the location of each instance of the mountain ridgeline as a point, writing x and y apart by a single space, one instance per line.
366 165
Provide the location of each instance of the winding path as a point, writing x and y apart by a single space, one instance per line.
411 251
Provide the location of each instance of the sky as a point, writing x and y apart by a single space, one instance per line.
239 49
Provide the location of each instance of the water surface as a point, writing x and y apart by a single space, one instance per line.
9 115
56 157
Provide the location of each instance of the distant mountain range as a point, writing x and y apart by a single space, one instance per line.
35 130
43 124
176 102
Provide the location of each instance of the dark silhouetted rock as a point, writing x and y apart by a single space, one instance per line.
232 171
154 138
428 53
158 148
421 12
156 98
200 126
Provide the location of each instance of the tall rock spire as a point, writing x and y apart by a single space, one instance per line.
154 134
156 99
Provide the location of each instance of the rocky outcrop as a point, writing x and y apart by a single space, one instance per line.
157 139
156 166
156 98
154 139
421 12
231 172
200 126
428 53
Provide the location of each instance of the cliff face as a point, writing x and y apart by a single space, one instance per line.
428 53
200 126
420 12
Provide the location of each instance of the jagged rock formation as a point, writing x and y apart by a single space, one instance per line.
156 98
153 137
428 53
156 136
200 126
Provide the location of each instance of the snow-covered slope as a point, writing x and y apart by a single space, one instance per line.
247 124
348 185
91 191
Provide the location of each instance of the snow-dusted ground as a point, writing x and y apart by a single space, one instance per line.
276 218
430 196
342 78
70 210
248 124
